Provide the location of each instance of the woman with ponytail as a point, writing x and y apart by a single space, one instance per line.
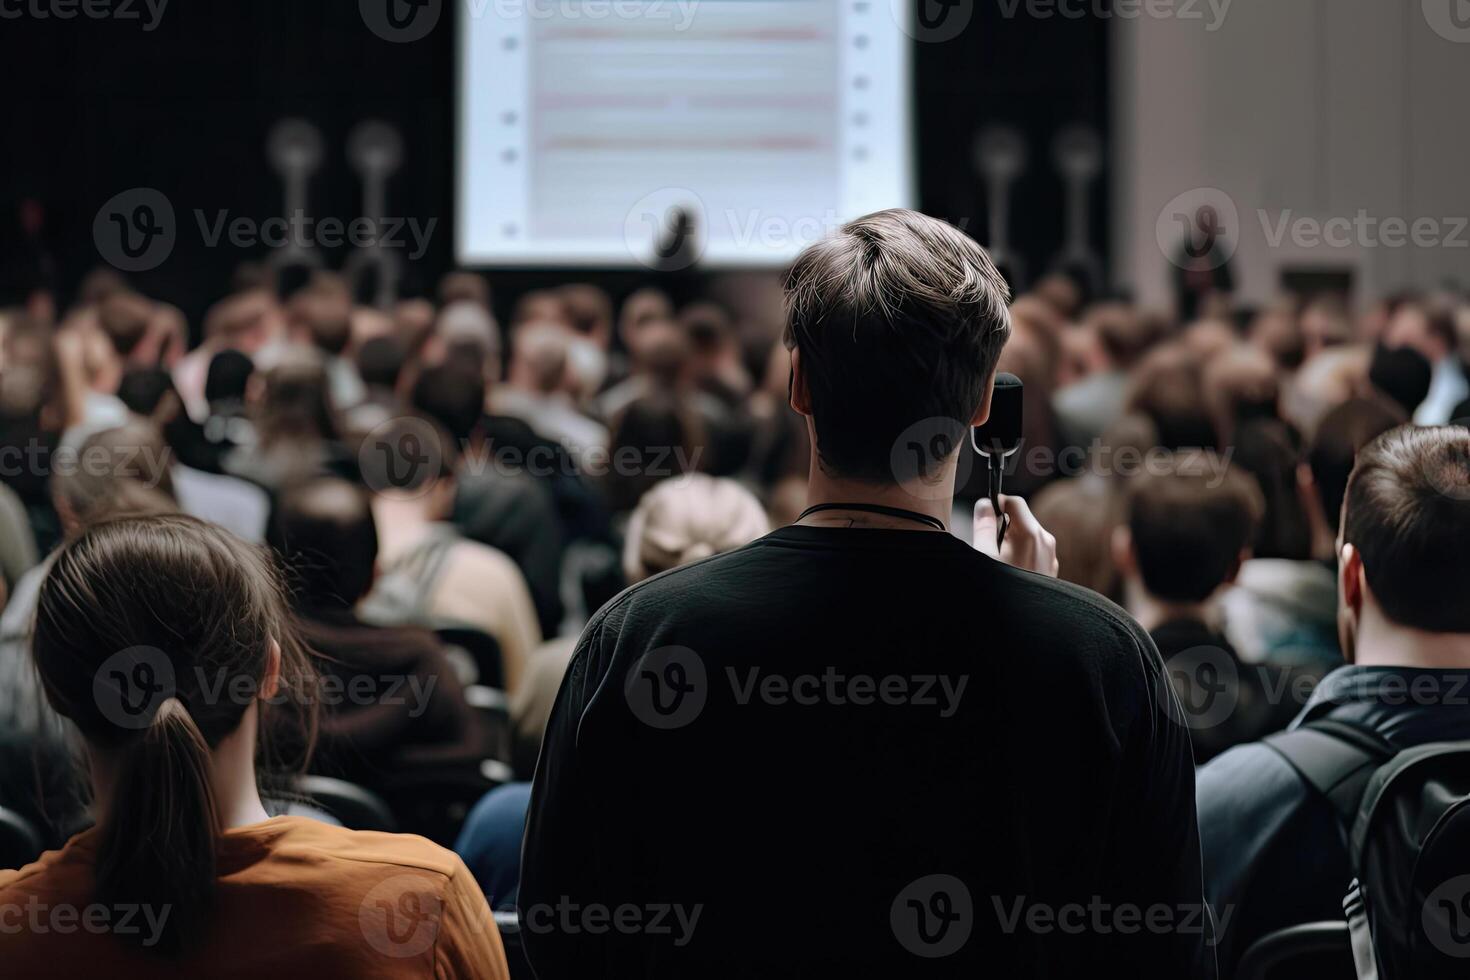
165 641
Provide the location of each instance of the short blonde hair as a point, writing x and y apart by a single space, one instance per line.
688 518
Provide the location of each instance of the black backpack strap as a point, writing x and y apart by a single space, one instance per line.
1335 759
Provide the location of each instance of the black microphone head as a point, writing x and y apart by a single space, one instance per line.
1001 433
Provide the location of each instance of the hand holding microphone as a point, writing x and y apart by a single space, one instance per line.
1004 526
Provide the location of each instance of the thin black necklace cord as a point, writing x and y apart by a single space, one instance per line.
899 512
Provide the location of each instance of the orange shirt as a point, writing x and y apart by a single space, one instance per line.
296 898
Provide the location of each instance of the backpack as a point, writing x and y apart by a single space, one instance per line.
1407 818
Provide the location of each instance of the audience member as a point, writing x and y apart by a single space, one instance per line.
1187 529
325 534
895 319
1274 848
182 831
429 574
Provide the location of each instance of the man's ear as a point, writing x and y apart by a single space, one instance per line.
1125 559
800 395
982 413
1350 579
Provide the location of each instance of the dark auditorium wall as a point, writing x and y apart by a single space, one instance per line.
93 107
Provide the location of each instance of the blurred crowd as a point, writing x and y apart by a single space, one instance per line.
429 468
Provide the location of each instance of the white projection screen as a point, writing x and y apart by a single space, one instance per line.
586 128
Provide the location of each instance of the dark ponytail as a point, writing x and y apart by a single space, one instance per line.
156 846
145 626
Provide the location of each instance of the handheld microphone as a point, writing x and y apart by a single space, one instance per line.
998 439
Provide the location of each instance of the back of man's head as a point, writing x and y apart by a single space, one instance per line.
124 318
1342 433
1407 513
896 319
1401 373
325 534
1189 526
323 316
453 397
228 376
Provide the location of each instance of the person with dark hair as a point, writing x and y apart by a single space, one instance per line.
136 619
1168 387
1281 609
654 437
430 574
499 506
380 361
1341 434
1274 847
1186 532
788 664
1402 374
295 429
1428 329
325 535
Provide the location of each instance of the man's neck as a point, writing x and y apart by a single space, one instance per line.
1152 612
932 500
1383 643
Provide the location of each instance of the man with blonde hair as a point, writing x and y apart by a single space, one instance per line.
857 746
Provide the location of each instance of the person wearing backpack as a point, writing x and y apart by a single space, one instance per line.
1282 821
